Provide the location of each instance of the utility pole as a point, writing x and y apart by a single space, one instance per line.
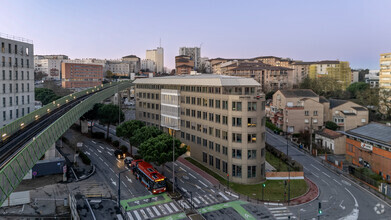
173 161
311 136
289 170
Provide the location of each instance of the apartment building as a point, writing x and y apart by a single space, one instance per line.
385 71
297 110
221 119
338 70
183 65
194 53
118 68
17 78
49 65
370 146
148 65
157 56
134 63
79 75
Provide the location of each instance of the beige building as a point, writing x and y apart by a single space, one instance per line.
346 114
221 119
157 56
385 71
332 140
297 110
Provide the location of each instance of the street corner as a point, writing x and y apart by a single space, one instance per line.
310 195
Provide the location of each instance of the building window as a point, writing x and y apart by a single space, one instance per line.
237 122
225 104
306 113
198 101
251 122
211 117
236 106
211 144
236 138
217 133
211 160
217 147
205 115
251 138
204 129
217 102
306 121
225 150
4 116
236 170
218 163
198 140
315 113
204 157
225 120
225 167
252 106
251 154
251 171
225 135
204 102
193 113
204 142
182 134
363 120
237 153
198 114
218 118
211 103
315 121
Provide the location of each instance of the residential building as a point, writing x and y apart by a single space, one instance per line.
338 70
16 78
205 66
370 146
372 78
194 53
385 71
297 110
80 75
134 63
157 56
215 114
346 114
332 140
355 76
301 71
183 65
118 68
49 65
148 65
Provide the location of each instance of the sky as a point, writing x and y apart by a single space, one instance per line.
357 31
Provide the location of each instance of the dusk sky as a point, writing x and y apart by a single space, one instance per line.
356 30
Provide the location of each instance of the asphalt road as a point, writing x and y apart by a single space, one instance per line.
340 198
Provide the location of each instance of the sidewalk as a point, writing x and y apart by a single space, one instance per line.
202 173
311 194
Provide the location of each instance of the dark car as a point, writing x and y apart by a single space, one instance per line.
119 154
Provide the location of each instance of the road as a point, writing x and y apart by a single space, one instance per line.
340 198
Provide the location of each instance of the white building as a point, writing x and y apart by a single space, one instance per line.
156 55
17 78
118 68
148 65
205 65
194 53
49 65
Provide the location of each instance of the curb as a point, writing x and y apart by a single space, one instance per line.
86 177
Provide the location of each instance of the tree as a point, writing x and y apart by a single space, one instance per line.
56 88
143 134
92 114
109 74
385 103
159 149
39 75
324 86
108 114
331 125
46 96
357 87
127 130
269 95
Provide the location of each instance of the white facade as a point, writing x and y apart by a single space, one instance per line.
118 68
148 65
49 67
194 53
157 55
16 79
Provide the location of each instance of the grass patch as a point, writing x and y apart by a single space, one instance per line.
274 190
277 162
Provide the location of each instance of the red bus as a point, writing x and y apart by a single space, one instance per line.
148 176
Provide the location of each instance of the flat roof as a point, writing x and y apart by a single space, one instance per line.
201 79
373 131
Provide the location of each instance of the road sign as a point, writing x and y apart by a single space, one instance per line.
35 173
64 169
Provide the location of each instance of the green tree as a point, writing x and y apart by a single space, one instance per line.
324 86
45 95
159 149
108 114
357 87
143 134
385 103
331 125
128 129
109 74
92 114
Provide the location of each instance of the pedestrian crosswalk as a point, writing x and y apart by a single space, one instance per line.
281 213
203 200
155 211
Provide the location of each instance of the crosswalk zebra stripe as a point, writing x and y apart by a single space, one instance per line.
143 213
174 207
277 208
209 197
184 204
168 208
205 202
150 212
163 210
130 216
198 201
156 211
192 202
137 215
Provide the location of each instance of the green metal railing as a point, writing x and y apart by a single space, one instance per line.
12 173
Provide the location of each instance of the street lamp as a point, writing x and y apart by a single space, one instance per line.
228 180
289 171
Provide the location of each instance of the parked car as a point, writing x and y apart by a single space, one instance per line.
119 154
128 160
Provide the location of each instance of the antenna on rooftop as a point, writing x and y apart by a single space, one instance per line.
160 42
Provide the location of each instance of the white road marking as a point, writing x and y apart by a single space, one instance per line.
277 208
182 169
99 151
130 180
156 211
184 190
109 153
137 215
212 190
315 167
315 175
101 147
162 209
124 184
325 182
93 142
88 153
224 196
118 160
355 211
130 216
202 183
95 154
195 199
150 212
174 207
113 182
144 214
112 170
282 214
347 183
106 164
326 174
337 182
340 205
101 158
192 176
205 202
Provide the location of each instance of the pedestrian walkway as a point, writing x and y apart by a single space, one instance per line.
154 211
203 200
281 213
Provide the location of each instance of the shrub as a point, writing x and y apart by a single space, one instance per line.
116 143
84 158
272 127
137 157
98 135
123 148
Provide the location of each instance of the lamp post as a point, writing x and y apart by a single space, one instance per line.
289 171
119 187
173 161
228 180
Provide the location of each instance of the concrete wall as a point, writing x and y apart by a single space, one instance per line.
17 198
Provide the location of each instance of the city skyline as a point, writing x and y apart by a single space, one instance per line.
350 30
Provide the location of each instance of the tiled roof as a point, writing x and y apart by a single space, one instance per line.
329 133
336 102
322 99
359 108
290 93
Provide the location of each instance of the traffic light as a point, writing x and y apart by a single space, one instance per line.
320 208
264 185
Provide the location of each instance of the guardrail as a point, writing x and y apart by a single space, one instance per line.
22 122
13 172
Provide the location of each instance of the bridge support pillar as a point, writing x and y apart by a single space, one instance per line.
84 127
